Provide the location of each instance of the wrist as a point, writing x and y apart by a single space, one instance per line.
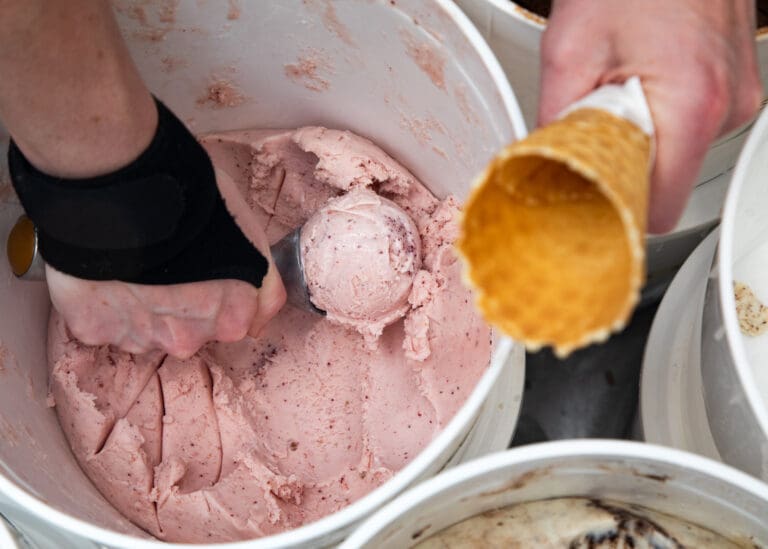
158 220
105 138
70 94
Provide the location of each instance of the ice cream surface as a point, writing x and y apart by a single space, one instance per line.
575 523
360 253
257 437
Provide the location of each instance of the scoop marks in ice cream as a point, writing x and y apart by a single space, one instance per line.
253 438
360 253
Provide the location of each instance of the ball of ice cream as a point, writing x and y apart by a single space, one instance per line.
360 254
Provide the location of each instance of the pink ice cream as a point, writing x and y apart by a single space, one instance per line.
253 438
360 254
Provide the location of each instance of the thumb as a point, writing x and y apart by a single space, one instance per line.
270 300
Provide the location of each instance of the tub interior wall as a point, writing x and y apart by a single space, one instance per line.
751 223
749 260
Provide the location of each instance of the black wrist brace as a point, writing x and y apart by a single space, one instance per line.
159 220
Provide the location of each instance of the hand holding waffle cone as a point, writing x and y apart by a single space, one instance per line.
553 234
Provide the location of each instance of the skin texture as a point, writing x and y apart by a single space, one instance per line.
68 88
698 66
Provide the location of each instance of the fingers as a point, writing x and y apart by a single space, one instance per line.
208 311
243 310
184 337
715 89
747 95
271 299
687 121
679 155
570 67
237 312
746 85
132 344
177 319
271 296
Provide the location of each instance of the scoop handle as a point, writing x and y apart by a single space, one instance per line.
22 251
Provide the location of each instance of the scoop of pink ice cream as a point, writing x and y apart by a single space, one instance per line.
360 254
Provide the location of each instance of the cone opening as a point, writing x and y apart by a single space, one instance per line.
549 252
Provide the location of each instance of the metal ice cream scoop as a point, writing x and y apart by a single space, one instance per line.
27 263
287 257
23 255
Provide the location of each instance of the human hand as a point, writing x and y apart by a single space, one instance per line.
697 63
77 108
178 318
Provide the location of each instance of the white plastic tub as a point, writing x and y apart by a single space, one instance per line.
420 82
8 539
672 408
711 379
28 532
733 365
676 483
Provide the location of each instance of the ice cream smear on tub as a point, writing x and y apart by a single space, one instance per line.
575 523
752 314
249 439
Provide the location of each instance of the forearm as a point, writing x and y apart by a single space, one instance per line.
70 94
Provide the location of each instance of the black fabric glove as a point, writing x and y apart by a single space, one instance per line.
159 220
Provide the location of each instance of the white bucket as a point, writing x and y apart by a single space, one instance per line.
420 82
705 384
30 533
8 539
685 486
514 33
672 408
733 365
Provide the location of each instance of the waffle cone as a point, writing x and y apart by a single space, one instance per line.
553 234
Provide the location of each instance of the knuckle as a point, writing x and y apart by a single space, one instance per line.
185 340
87 332
557 52
750 100
270 307
233 332
181 353
715 93
561 44
132 342
240 306
234 326
183 349
133 348
271 298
